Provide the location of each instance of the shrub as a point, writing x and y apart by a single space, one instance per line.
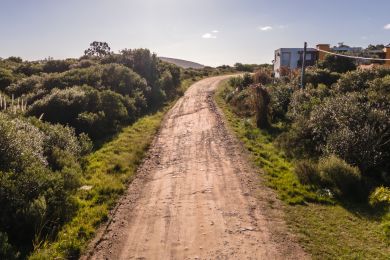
242 102
243 67
35 199
97 113
29 68
321 76
337 64
280 100
262 76
26 85
359 80
51 66
122 80
6 78
341 177
346 125
307 172
21 145
241 82
380 197
6 250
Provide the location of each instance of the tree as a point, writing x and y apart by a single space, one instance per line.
99 49
373 47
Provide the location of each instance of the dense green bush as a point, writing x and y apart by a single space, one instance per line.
122 80
351 122
337 64
42 160
24 86
307 172
6 250
317 76
380 196
241 82
250 67
346 115
57 65
360 80
341 177
39 171
262 76
6 78
29 68
97 113
280 101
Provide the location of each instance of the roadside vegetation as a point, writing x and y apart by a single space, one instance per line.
107 172
72 133
324 149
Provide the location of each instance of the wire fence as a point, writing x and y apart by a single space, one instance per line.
353 57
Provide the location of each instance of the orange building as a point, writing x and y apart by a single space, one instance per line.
323 47
387 54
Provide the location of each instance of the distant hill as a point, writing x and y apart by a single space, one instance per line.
182 63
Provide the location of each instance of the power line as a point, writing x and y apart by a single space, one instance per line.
352 57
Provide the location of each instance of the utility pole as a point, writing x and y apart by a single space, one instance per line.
303 66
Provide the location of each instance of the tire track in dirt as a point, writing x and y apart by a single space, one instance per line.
196 196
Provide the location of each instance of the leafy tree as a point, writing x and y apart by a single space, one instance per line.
372 47
15 59
99 49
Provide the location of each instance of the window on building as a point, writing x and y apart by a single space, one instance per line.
286 58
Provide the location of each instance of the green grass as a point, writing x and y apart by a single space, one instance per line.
108 171
280 172
326 228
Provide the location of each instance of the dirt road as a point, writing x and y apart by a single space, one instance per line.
196 196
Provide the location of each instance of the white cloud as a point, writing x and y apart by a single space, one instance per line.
265 28
387 26
215 31
209 36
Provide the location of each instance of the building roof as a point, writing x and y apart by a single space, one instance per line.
295 49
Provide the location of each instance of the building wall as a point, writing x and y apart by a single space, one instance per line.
324 47
277 63
290 57
387 51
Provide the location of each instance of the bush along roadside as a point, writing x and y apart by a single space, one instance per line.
325 205
108 170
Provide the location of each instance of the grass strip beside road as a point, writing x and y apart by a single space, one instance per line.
108 171
326 229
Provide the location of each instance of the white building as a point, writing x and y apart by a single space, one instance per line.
292 58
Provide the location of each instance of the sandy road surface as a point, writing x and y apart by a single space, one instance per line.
195 196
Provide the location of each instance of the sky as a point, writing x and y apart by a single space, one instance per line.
210 32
